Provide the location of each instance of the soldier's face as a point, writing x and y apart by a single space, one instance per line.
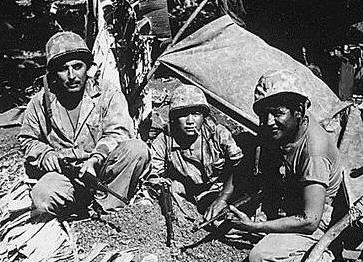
279 123
72 76
189 121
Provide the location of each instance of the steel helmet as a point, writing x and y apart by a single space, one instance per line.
186 96
279 85
65 46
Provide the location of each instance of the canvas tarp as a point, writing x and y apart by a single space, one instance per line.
226 61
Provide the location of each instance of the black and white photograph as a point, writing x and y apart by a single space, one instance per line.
181 131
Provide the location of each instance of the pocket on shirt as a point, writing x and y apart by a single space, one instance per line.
95 132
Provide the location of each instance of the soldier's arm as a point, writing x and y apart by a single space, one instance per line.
229 146
31 136
234 155
158 154
306 222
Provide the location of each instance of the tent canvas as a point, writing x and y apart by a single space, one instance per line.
226 61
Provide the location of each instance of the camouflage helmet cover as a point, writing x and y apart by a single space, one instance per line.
65 46
186 96
279 85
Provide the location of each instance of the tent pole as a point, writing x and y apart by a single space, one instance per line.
137 91
187 23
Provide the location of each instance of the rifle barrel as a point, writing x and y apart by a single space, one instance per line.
118 196
98 184
240 202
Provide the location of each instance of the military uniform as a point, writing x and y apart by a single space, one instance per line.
193 178
104 129
201 169
314 158
289 166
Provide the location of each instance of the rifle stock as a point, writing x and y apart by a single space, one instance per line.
252 200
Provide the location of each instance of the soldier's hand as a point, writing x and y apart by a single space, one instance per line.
239 219
51 162
217 206
89 166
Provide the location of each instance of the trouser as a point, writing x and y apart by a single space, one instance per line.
59 195
285 247
194 205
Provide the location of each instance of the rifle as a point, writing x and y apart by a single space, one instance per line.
89 179
166 205
250 200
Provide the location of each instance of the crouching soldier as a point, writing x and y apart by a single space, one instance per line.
196 156
301 172
83 121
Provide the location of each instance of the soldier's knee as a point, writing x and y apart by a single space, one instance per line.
138 149
254 256
133 149
51 193
258 253
41 197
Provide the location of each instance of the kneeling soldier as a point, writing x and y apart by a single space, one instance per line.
84 121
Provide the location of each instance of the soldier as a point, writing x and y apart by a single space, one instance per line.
84 121
301 172
195 155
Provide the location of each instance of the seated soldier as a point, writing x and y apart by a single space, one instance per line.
195 155
301 172
83 121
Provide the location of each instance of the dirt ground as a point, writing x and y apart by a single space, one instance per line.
139 227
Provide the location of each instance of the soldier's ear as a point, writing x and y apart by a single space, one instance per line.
51 77
300 111
297 114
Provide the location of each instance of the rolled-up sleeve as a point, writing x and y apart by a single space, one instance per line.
316 169
231 150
